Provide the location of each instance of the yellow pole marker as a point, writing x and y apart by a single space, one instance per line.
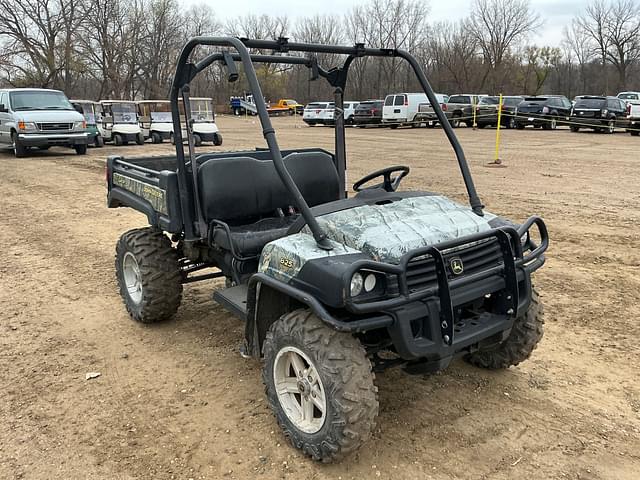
496 158
473 108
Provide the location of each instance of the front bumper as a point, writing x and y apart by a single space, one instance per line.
53 139
427 323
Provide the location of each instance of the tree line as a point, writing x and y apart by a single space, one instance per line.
127 49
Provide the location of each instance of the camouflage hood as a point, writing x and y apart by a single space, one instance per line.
381 232
386 232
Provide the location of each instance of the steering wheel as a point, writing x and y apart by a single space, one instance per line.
389 184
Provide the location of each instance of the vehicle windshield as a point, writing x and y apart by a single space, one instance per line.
124 112
39 100
511 101
88 110
157 111
489 101
590 103
202 110
315 106
629 96
459 99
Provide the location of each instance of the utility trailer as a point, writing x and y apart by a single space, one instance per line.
332 287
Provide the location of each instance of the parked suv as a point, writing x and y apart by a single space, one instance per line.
36 117
603 114
545 112
368 113
487 111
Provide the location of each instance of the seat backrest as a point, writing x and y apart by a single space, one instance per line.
243 188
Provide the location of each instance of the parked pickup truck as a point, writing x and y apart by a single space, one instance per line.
634 119
459 108
286 107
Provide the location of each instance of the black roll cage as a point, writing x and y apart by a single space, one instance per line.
194 224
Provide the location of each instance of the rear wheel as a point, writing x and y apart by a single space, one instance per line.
156 137
217 139
148 275
525 334
19 149
99 141
611 126
117 139
80 149
172 139
574 129
553 123
319 385
197 140
520 126
140 139
511 123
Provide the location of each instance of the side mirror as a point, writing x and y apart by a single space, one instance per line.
3 109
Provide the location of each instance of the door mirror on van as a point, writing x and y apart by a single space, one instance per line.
3 109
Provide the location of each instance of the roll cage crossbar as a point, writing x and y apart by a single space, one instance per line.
186 71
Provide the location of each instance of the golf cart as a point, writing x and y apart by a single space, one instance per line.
155 120
332 287
92 112
120 122
204 123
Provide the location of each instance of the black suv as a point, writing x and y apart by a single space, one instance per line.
368 113
544 112
487 111
602 114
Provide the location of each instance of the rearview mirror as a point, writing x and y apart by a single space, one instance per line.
3 109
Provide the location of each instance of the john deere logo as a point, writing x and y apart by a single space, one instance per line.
457 267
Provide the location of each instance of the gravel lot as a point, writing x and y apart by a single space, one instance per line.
177 401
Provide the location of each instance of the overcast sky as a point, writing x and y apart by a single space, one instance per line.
555 13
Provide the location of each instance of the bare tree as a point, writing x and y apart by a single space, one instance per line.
579 43
623 31
498 25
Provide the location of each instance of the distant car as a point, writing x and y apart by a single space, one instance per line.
318 113
402 108
368 113
634 120
630 97
602 114
545 112
426 113
349 113
459 108
487 111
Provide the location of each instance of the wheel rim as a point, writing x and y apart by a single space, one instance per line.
131 274
299 390
554 124
612 127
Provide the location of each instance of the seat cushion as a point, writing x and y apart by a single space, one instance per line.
240 190
249 240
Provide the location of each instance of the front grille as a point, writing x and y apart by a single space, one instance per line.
55 127
477 257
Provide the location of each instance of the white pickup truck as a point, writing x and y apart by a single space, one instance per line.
634 119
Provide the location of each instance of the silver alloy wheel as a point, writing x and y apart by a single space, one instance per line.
612 126
554 123
131 274
299 389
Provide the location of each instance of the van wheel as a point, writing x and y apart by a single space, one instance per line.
319 385
156 137
118 140
148 275
140 139
197 140
99 141
80 149
217 139
19 149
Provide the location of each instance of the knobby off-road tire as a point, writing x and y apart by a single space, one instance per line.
527 331
148 275
334 369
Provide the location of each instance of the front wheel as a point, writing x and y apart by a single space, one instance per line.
81 149
19 149
611 126
117 139
140 139
525 334
99 141
156 137
148 275
319 385
197 140
217 139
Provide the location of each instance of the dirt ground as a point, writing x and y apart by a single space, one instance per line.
176 400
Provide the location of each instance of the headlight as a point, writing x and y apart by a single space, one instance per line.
27 126
80 125
356 284
369 282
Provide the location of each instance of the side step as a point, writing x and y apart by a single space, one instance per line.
233 299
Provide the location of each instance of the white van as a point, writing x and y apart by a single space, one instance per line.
401 108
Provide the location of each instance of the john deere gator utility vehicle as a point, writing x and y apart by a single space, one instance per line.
332 287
